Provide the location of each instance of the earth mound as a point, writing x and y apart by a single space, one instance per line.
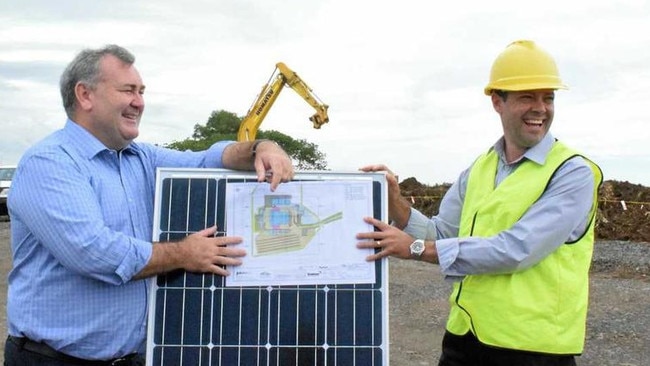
623 207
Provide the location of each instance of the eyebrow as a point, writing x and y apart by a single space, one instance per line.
134 86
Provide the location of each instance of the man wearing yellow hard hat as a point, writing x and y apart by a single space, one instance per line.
514 233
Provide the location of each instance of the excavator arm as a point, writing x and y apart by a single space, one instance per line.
270 91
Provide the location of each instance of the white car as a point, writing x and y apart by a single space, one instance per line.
6 173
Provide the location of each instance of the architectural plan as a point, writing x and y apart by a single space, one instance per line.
303 233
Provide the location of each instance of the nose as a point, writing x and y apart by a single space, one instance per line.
539 105
138 101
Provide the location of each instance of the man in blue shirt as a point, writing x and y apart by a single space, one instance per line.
82 210
514 233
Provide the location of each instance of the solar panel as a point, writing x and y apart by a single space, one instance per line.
195 319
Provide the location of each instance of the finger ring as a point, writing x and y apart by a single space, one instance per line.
378 243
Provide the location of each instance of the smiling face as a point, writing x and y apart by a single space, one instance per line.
526 117
111 111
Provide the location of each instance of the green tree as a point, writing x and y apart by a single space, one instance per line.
305 155
223 125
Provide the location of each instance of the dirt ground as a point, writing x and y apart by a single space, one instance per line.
618 330
618 327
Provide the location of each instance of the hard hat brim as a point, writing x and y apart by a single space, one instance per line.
521 87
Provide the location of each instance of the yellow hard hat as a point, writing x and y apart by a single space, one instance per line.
524 66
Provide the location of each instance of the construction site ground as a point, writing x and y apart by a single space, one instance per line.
618 325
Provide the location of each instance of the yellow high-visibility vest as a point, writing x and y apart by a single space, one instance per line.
540 309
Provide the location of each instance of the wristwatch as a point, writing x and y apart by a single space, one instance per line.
417 248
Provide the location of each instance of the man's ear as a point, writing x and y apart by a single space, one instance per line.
497 102
84 96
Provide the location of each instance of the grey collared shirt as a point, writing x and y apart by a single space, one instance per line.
560 215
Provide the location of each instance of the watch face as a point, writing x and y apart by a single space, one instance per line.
417 247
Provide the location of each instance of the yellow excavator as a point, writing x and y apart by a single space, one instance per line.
282 75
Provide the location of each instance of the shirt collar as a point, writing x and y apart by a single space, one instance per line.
537 153
91 146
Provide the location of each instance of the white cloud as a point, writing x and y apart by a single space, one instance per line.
403 79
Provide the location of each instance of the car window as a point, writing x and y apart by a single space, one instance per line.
7 173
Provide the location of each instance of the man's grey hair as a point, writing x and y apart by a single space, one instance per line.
84 68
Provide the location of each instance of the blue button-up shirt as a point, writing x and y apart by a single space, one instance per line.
81 229
560 215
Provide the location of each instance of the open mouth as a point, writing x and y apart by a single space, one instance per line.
131 116
534 122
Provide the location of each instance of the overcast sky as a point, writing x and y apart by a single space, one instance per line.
404 79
